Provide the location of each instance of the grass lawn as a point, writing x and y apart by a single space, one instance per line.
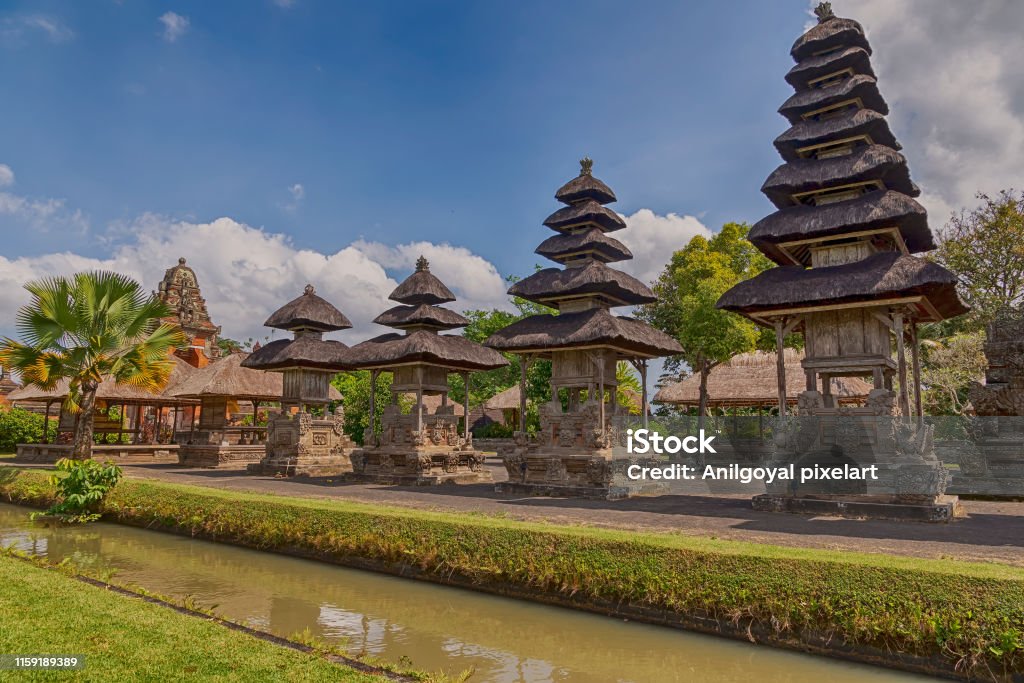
127 639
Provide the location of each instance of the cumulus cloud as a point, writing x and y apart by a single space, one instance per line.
950 72
175 26
244 284
296 193
6 175
38 214
16 31
653 239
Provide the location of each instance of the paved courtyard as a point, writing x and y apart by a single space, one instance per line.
991 532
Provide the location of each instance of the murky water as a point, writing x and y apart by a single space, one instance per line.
433 627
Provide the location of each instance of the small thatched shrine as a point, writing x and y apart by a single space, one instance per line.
422 445
572 453
845 235
299 442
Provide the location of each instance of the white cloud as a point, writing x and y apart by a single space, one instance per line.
15 31
175 26
244 284
297 191
6 175
951 74
653 239
284 4
38 214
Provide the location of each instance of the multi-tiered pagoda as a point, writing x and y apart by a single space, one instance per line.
845 237
584 342
179 289
422 445
299 442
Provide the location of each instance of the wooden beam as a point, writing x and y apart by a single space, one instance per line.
915 357
524 362
373 409
901 363
465 406
780 363
643 392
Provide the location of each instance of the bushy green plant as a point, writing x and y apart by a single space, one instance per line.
493 430
21 426
82 488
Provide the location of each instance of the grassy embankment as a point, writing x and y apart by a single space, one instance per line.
946 614
129 639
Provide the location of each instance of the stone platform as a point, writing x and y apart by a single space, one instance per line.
216 455
134 454
400 467
942 509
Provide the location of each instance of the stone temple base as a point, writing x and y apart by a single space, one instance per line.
397 466
997 487
298 466
222 456
577 475
910 508
300 446
122 454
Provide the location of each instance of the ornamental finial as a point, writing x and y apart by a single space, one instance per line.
181 260
422 265
586 166
824 12
310 289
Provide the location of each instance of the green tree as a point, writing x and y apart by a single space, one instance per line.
688 289
948 368
984 248
629 387
354 388
86 329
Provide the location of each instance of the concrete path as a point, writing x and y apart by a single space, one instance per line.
992 531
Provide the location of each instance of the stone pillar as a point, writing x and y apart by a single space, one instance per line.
901 363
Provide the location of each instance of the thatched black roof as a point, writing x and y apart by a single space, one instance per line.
860 87
585 186
436 317
592 327
593 278
586 212
303 351
880 276
593 242
829 34
423 346
868 212
851 123
855 58
422 287
308 311
871 162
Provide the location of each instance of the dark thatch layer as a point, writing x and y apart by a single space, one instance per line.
422 287
435 317
593 241
828 35
593 278
422 346
855 58
307 352
879 276
852 123
587 212
751 379
308 311
861 86
227 377
867 212
585 186
596 326
112 392
871 162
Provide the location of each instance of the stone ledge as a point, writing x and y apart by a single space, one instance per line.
945 509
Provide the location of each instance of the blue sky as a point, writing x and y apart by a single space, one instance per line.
445 121
279 142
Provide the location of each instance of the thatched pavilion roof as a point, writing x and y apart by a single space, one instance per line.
750 380
593 278
848 124
227 377
585 186
830 32
586 212
859 87
422 287
308 311
307 352
594 327
424 346
561 248
882 275
856 58
425 315
111 391
504 400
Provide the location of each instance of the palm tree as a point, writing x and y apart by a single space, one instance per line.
86 329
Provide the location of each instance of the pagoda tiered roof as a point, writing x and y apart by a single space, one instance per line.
422 319
844 193
308 316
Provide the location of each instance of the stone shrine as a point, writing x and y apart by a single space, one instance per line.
180 291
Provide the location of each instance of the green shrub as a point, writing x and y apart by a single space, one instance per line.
493 430
21 426
82 488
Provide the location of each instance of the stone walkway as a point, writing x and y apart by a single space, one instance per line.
992 531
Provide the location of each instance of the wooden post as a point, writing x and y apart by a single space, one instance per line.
46 423
780 364
600 389
915 356
192 426
465 406
523 361
901 363
373 409
643 392
826 389
159 423
419 400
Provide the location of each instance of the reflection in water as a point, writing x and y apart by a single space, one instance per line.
436 627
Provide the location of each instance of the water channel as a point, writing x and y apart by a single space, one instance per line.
435 627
